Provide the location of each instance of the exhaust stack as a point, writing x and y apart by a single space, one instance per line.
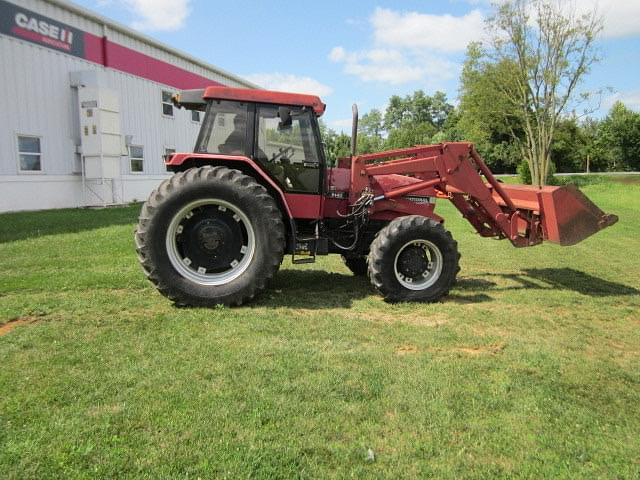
354 129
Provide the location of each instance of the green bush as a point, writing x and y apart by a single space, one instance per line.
581 180
525 174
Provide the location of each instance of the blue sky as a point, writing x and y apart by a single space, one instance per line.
357 51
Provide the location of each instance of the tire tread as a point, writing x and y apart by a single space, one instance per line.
242 183
382 247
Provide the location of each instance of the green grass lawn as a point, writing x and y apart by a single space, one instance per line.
530 368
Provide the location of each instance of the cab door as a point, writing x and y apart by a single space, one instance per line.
288 150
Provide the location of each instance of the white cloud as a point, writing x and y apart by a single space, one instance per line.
444 33
411 47
620 16
337 54
387 66
290 83
395 73
395 66
159 14
631 99
155 14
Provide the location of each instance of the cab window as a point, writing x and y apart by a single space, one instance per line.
288 149
224 129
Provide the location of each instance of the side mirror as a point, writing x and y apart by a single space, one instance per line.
285 118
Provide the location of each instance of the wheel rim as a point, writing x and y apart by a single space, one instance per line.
418 264
210 242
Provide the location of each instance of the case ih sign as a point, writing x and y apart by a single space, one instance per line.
27 25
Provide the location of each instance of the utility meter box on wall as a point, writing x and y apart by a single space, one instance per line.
100 133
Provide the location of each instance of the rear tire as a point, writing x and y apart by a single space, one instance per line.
413 258
357 265
210 236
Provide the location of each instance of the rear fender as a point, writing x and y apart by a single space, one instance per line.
183 161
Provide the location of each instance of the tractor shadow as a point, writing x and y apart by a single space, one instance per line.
549 279
314 289
319 289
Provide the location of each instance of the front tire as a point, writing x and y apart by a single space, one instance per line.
413 259
210 236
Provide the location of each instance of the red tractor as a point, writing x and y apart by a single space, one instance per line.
258 186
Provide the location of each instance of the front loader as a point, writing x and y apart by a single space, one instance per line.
257 186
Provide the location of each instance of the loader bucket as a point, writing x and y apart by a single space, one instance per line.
567 215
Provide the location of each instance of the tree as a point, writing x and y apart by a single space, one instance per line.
485 116
370 129
415 119
440 109
451 130
568 147
372 123
417 108
593 150
409 134
550 49
620 133
335 145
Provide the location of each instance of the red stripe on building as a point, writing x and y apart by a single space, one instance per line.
112 55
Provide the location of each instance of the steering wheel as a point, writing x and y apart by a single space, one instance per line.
284 152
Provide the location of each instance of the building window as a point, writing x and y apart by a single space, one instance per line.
29 153
167 104
195 116
136 158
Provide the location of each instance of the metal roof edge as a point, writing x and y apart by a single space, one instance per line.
66 4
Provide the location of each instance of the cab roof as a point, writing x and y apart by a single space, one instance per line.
265 96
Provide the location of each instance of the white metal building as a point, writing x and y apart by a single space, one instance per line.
85 111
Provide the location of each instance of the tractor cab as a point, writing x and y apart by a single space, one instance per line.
279 132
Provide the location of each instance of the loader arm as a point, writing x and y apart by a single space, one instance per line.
525 215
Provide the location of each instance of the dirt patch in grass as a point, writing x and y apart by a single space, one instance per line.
382 317
474 351
109 409
16 322
408 318
621 352
406 350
